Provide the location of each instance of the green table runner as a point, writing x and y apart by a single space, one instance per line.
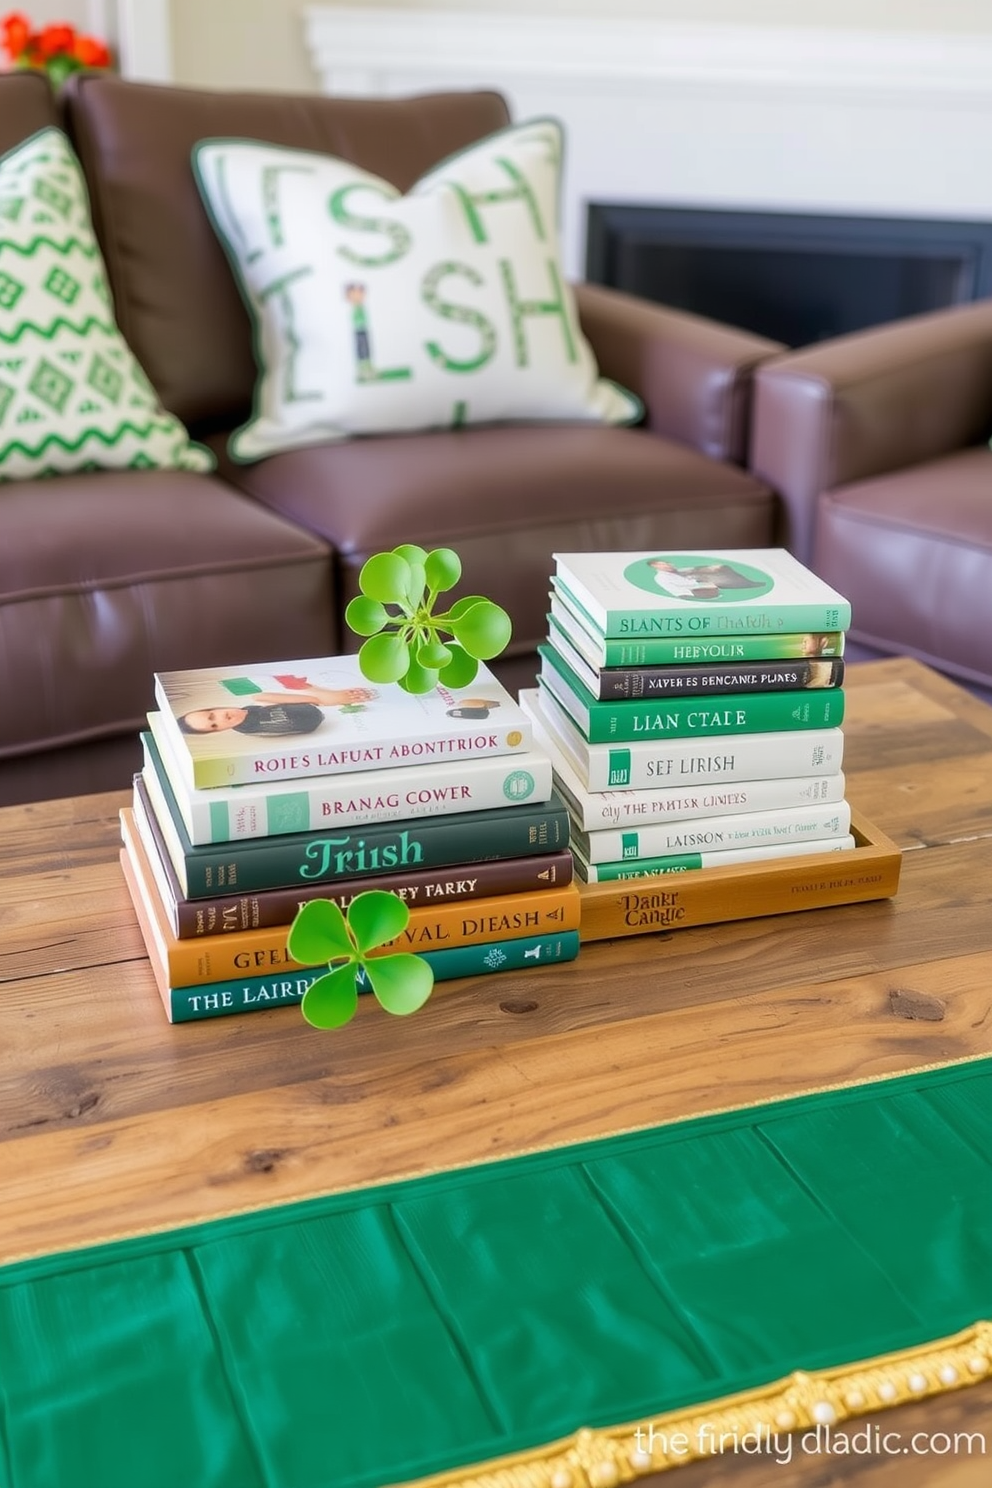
420 1327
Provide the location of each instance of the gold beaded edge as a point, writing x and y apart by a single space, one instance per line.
620 1454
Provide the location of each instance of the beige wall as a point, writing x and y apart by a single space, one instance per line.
260 43
46 12
241 44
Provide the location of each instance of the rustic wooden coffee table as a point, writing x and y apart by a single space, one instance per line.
113 1119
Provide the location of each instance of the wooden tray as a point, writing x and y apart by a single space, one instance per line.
706 896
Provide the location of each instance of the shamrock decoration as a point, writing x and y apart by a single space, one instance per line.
320 932
405 643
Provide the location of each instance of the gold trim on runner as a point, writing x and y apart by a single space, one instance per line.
801 1402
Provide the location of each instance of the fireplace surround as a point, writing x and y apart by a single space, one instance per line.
795 277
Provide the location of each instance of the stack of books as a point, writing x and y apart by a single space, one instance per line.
298 780
692 704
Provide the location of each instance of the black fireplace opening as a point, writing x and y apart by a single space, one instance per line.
797 278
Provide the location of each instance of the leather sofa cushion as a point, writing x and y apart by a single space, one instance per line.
506 499
913 553
175 296
106 578
26 105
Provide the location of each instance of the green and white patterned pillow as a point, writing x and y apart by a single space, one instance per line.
72 396
376 312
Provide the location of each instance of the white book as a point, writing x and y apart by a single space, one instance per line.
688 862
594 811
285 720
716 834
271 808
694 761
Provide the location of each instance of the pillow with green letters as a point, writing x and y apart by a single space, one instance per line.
376 312
72 396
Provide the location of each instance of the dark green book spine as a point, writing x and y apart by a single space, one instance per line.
686 717
217 999
379 847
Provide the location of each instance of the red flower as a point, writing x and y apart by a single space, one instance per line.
90 53
56 41
15 33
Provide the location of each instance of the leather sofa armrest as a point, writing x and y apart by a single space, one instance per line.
692 375
868 404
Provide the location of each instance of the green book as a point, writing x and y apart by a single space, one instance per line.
730 591
677 650
685 717
216 999
378 847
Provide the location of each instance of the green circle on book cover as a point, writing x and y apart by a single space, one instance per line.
698 576
518 785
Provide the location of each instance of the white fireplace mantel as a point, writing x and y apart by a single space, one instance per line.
761 118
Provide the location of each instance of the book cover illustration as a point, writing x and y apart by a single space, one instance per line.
728 591
292 719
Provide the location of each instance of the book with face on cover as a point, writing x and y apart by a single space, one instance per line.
287 720
729 591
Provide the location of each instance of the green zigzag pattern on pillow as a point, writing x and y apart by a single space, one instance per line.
72 395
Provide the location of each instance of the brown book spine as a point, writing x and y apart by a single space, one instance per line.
706 896
271 907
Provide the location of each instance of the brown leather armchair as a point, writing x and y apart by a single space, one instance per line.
877 444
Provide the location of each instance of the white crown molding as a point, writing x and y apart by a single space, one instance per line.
754 118
141 30
353 47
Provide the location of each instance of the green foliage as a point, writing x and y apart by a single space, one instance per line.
406 642
321 932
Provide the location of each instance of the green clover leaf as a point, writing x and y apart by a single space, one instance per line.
461 669
366 617
332 1000
483 629
401 982
384 658
386 577
410 644
443 569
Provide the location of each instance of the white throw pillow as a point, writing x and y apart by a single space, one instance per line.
376 312
72 396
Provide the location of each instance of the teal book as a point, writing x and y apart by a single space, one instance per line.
216 999
685 717
348 852
730 591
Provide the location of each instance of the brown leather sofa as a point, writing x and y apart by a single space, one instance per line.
878 446
105 578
